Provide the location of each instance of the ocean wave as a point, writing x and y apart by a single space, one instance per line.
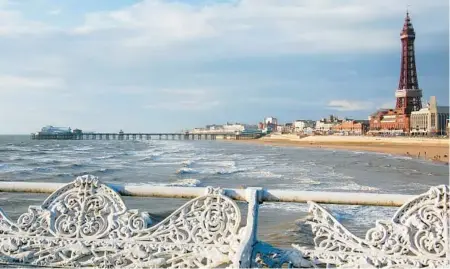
308 181
84 148
42 169
262 174
105 171
351 186
16 158
110 156
50 161
151 157
293 207
233 170
187 170
17 148
219 163
74 165
64 175
187 163
360 215
187 182
37 153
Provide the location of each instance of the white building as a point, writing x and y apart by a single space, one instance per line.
270 121
233 128
226 128
430 120
301 125
55 130
325 125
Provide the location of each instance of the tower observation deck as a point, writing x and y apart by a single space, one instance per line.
408 93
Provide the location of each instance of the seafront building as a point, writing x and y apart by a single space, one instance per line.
301 125
430 120
408 94
325 125
351 127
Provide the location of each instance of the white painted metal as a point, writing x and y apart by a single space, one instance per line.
348 198
86 223
417 236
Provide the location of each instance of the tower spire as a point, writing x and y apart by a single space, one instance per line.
408 93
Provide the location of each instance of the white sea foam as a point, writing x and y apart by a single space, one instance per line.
187 163
261 174
231 170
226 163
307 180
187 182
84 148
110 156
187 170
360 215
351 186
293 207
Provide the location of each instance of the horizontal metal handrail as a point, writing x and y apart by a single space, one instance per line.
267 195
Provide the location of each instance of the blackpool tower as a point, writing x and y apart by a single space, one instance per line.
408 93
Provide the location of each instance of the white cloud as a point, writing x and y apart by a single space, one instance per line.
348 105
388 104
183 99
55 12
12 23
280 101
10 83
189 105
259 25
188 92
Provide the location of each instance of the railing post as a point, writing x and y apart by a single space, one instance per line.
249 236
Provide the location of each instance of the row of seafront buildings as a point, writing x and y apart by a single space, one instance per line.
325 126
331 125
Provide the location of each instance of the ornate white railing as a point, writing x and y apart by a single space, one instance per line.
85 223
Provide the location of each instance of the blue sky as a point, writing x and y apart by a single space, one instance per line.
159 65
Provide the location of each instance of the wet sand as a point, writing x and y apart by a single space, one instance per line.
423 148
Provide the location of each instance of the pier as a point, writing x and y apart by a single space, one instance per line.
145 136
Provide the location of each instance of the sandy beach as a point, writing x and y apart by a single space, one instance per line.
424 148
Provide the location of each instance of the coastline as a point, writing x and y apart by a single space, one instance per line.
436 150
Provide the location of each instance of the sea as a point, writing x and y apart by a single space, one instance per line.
223 164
